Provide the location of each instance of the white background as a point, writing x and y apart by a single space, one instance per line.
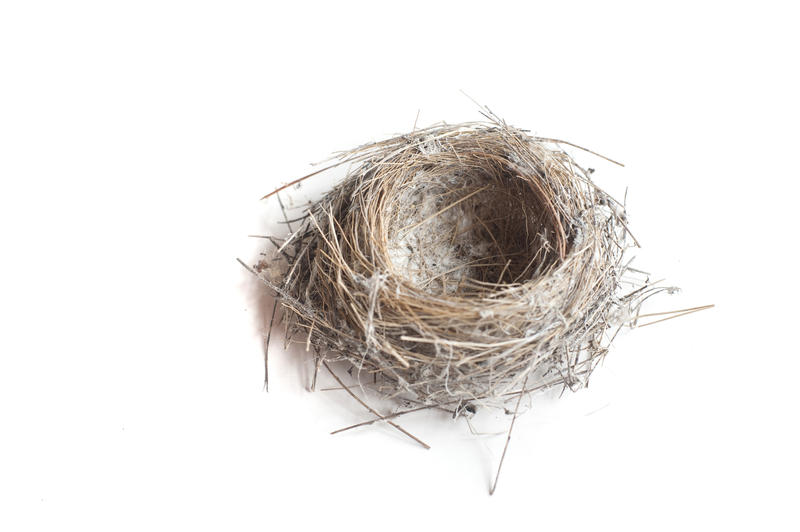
136 139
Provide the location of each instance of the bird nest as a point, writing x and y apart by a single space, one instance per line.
458 264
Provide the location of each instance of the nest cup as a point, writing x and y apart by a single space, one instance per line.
458 264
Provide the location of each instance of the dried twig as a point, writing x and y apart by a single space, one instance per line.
365 405
266 344
508 439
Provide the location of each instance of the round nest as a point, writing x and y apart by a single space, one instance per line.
457 263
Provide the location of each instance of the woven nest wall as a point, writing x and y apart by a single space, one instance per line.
459 264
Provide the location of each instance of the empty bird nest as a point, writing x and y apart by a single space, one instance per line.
460 265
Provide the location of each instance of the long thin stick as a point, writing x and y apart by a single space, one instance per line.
558 141
317 362
365 405
383 418
266 346
283 210
508 439
300 179
246 267
703 307
675 316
